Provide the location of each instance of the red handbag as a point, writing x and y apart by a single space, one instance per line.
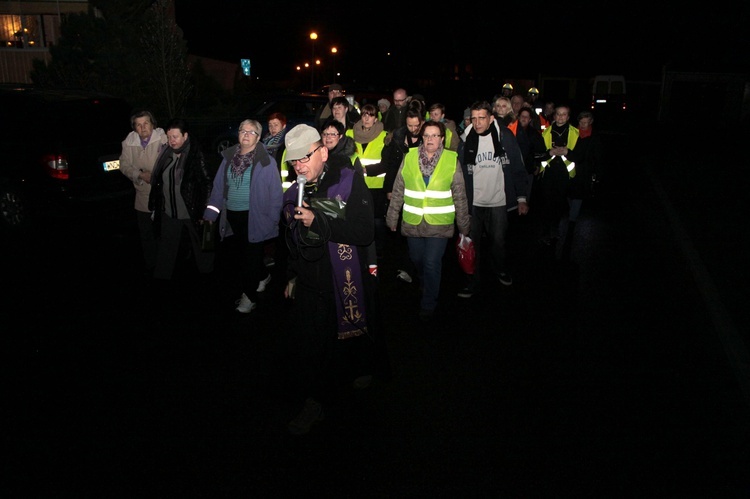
466 253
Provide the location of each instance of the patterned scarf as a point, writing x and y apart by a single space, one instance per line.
427 165
272 140
240 163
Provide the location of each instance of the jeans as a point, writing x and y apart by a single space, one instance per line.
575 209
427 255
493 222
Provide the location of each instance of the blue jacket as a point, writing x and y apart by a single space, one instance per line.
265 196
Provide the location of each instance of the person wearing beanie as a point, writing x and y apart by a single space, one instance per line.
383 105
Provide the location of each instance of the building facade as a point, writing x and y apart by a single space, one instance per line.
28 28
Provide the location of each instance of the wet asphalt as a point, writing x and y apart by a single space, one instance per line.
615 368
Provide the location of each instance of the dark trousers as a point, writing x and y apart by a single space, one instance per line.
317 363
148 238
170 240
249 255
494 223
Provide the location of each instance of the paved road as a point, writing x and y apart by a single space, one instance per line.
615 372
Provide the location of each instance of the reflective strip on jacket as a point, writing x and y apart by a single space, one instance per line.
434 204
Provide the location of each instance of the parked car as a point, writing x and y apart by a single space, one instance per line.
298 109
60 154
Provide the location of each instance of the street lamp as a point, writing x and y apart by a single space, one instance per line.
333 58
313 37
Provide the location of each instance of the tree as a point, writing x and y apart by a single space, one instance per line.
86 57
164 58
136 51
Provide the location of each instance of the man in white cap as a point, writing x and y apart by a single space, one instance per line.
333 344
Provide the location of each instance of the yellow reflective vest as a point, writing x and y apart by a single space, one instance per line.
287 173
434 203
371 156
572 141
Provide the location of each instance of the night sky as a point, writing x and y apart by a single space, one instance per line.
504 39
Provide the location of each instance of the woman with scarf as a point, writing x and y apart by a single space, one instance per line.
274 139
430 195
247 194
180 187
369 140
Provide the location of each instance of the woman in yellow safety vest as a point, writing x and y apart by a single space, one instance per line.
429 195
369 140
556 169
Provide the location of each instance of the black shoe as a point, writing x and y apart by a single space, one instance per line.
466 292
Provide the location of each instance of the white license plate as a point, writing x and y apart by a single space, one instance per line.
111 165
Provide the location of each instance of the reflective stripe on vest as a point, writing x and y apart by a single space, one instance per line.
572 141
434 204
286 173
371 156
376 182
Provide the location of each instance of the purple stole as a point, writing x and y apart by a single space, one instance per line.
351 312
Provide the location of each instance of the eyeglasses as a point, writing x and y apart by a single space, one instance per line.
399 100
306 157
430 136
367 114
330 134
248 132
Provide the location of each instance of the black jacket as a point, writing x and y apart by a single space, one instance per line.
393 155
588 157
195 186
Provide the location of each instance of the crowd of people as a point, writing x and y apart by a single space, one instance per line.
327 195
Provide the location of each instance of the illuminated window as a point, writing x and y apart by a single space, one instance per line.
28 31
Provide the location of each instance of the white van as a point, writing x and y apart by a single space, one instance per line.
609 93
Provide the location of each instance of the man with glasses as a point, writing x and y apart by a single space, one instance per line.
496 182
396 115
331 338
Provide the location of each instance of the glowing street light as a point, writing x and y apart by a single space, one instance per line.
313 37
333 52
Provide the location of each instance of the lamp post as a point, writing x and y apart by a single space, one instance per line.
333 58
313 37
